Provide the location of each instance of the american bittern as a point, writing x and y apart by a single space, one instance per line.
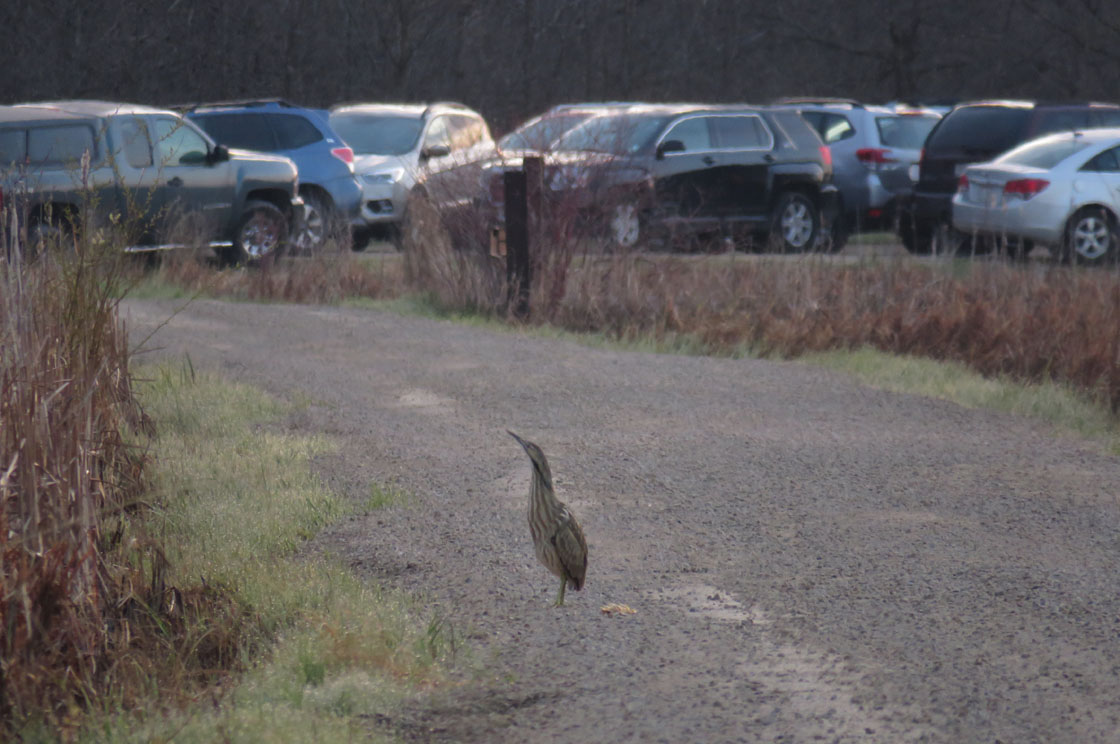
557 538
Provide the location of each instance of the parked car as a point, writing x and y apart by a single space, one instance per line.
146 169
1062 190
407 151
688 169
872 148
535 137
330 190
974 133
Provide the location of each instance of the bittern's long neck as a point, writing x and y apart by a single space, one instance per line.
544 508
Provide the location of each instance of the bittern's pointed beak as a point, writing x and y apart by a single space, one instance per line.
519 440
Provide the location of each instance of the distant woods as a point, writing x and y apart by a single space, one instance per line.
512 58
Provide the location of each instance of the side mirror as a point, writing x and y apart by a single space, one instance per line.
669 146
435 151
219 154
194 158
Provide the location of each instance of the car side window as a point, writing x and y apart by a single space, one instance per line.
831 127
465 132
243 131
135 145
740 133
1105 162
693 132
1061 121
294 131
178 144
13 147
64 144
1105 117
437 133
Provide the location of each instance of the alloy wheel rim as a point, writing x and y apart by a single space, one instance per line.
624 225
1091 238
797 224
312 233
260 236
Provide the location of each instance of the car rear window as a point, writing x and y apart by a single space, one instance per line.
293 132
980 130
1044 153
243 131
61 144
907 132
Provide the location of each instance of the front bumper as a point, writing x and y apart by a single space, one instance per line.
382 204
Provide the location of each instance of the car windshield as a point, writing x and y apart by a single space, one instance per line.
540 134
618 135
1044 153
378 134
906 132
980 130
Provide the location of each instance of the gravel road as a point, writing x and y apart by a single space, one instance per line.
809 559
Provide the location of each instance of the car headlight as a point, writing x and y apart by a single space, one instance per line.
383 177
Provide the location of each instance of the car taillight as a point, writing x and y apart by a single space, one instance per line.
874 157
962 183
826 156
345 154
1025 188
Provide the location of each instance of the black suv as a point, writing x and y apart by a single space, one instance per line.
974 133
147 170
681 170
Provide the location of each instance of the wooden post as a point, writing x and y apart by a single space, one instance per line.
522 194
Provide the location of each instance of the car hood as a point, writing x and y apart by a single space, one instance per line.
378 163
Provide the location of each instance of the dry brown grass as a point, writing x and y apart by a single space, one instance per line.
1030 322
88 617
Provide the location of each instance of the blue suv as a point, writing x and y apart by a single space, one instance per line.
331 192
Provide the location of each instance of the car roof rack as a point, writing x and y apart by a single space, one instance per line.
246 103
821 100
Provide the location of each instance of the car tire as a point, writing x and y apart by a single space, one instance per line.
260 233
1091 238
835 238
795 224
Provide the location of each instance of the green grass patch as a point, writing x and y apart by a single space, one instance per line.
1056 404
235 500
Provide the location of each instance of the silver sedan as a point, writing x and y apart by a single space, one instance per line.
1062 190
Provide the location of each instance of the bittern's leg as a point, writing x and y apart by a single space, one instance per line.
560 597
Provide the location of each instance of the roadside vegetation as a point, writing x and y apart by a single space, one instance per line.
151 583
1049 326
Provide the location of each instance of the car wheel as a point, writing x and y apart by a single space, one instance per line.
318 216
916 241
1091 237
261 233
795 224
625 225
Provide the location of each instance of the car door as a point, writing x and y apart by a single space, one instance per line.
1099 180
436 159
193 192
684 168
744 143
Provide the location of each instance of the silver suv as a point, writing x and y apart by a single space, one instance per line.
402 151
873 149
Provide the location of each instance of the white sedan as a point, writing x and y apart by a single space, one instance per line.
1062 190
